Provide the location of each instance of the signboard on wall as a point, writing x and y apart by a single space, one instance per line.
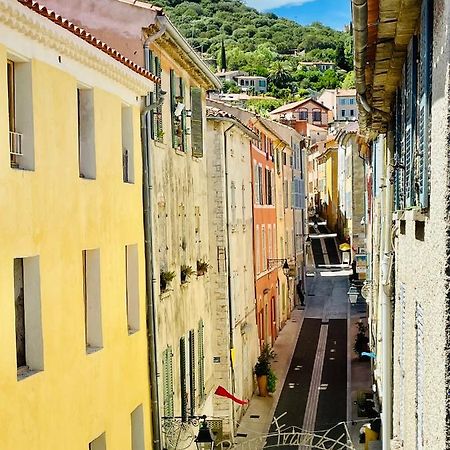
361 263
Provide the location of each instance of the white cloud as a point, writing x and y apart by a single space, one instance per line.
264 5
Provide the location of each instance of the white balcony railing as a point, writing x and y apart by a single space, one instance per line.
15 143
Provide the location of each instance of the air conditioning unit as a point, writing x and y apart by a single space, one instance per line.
15 143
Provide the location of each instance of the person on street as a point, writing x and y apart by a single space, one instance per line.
300 294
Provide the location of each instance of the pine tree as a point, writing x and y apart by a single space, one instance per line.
223 58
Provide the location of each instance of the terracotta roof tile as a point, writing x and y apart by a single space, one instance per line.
88 37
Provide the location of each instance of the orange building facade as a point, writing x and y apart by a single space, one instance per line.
265 236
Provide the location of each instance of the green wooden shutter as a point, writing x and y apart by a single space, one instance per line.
410 127
196 122
201 362
168 382
398 164
424 97
173 104
192 371
183 142
183 388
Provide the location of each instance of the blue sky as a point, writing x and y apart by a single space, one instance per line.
334 13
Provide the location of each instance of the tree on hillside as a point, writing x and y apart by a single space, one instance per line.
340 59
349 81
279 74
223 58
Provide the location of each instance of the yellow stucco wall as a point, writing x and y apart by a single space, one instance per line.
55 214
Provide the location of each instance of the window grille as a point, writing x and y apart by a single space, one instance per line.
183 386
201 362
168 382
420 369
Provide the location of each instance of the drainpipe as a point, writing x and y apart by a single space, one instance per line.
230 303
385 299
150 279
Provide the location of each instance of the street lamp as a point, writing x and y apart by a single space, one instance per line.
205 438
285 266
353 294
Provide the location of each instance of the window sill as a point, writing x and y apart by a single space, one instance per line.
82 177
165 294
22 169
132 331
179 152
25 372
128 182
90 350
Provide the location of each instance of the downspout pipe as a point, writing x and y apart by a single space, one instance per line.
385 299
150 278
230 292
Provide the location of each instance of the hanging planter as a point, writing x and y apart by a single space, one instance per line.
202 267
165 278
185 273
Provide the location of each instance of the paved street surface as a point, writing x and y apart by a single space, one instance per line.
318 387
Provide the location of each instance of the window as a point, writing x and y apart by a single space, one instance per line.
157 129
92 304
86 134
98 443
137 429
178 110
132 287
342 112
167 379
284 158
183 384
263 246
317 116
351 101
127 145
27 300
20 115
256 183
233 203
196 122
257 250
270 252
269 198
342 101
303 114
352 113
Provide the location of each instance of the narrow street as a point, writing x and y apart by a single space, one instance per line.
314 396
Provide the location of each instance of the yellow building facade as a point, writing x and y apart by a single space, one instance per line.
73 361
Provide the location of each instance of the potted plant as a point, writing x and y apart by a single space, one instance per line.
165 278
202 267
262 370
271 381
185 273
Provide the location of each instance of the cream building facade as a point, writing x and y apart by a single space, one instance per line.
231 217
74 347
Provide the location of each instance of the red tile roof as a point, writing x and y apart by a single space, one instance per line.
88 37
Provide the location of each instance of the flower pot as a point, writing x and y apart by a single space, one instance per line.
262 385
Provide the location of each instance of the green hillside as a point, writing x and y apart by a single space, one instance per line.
263 44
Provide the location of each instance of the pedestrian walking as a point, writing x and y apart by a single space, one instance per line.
300 293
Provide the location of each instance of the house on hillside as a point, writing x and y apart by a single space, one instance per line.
255 84
246 83
316 65
341 102
74 359
298 114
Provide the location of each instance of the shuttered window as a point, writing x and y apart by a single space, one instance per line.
192 371
183 385
424 101
157 120
178 113
197 122
201 362
410 118
168 382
